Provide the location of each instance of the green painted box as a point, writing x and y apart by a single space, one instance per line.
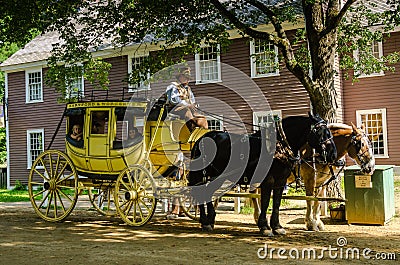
370 200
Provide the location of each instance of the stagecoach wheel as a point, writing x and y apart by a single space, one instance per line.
189 208
53 186
102 199
135 189
192 210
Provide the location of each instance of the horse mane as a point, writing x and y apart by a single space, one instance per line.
340 129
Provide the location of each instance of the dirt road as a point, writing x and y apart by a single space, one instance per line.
88 238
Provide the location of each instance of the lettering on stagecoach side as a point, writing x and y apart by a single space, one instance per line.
106 104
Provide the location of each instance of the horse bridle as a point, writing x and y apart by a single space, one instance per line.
357 144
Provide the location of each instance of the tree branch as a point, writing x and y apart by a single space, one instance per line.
241 26
281 41
333 23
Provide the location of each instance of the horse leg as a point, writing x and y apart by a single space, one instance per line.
211 213
309 183
276 203
256 205
262 222
317 212
205 224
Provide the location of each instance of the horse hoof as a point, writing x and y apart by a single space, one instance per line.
321 226
312 228
266 232
206 228
280 231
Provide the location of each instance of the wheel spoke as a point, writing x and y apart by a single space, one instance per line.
58 163
44 199
45 169
66 178
55 204
66 196
51 166
62 171
144 204
130 178
49 204
40 174
61 202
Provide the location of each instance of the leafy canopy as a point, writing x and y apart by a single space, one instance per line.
179 27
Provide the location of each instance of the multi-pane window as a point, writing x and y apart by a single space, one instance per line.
375 126
208 68
35 144
75 89
264 58
265 118
136 63
215 123
34 89
374 50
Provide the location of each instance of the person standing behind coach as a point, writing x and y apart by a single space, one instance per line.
181 96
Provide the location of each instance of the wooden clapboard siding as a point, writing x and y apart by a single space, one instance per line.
375 93
28 116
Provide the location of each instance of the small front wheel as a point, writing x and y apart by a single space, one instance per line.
134 195
53 185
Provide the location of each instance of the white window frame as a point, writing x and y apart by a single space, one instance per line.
257 114
253 61
198 65
380 54
28 144
76 94
141 86
384 128
27 85
218 119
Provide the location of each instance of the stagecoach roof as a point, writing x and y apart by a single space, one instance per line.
107 104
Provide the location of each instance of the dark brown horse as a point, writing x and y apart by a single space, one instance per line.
213 169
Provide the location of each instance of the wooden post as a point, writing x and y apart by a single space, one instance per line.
237 203
324 205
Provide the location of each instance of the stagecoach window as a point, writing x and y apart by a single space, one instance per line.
99 122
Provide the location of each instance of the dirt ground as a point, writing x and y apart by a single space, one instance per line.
89 238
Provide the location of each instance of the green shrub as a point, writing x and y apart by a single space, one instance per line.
19 186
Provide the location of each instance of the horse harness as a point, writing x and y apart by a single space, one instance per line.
285 153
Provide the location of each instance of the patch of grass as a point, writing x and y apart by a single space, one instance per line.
246 210
397 183
14 195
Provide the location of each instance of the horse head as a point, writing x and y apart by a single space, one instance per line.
361 150
320 138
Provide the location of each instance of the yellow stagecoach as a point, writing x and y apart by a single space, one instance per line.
124 175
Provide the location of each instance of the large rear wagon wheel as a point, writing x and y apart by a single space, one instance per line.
135 189
53 185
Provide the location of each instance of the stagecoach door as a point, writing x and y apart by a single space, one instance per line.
98 133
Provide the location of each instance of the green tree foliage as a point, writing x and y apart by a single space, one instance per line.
20 19
3 147
179 27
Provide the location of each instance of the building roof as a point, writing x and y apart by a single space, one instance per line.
38 49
